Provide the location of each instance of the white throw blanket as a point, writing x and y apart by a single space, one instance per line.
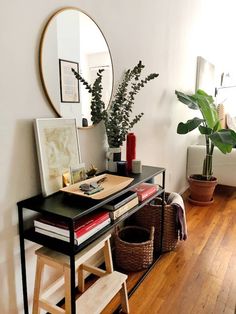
176 200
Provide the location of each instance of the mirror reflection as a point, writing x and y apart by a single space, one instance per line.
72 39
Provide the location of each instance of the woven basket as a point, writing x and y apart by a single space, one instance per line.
150 215
134 248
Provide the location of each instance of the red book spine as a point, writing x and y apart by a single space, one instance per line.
147 193
130 149
144 190
90 224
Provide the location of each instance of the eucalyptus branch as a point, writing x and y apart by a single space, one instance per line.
97 105
82 80
117 119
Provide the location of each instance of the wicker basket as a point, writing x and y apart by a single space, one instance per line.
134 248
150 215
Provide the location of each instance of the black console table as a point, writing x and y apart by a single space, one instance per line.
70 208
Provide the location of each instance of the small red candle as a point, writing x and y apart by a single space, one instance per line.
130 149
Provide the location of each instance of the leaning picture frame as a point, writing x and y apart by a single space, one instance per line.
78 174
58 150
205 76
69 85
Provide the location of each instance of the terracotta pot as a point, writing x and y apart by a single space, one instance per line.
201 191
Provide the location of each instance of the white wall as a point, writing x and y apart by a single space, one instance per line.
167 35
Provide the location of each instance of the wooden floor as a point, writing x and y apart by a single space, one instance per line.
200 275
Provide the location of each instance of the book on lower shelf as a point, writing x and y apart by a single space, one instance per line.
83 228
114 214
120 201
145 190
78 240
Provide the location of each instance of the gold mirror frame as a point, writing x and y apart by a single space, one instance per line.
42 70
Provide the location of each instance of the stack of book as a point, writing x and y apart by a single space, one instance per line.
84 227
145 190
122 204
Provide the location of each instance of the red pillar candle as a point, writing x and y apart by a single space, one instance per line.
130 149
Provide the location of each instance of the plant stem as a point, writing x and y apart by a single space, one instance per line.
207 164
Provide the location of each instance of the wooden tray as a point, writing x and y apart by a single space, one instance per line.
111 185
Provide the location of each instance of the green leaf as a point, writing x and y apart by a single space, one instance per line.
184 128
217 126
207 107
205 130
187 100
224 139
202 101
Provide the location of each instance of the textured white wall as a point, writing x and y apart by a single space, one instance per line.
167 35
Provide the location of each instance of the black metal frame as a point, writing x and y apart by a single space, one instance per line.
70 212
77 82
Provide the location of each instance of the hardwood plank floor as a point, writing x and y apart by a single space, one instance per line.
200 275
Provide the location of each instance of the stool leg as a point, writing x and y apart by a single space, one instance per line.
124 298
81 278
108 256
66 272
37 285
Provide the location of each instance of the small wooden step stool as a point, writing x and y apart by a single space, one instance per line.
96 297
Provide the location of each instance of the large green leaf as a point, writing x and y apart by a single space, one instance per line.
203 102
224 139
205 130
217 126
184 128
187 100
207 107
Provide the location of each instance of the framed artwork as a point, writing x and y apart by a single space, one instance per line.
69 85
74 175
58 151
78 173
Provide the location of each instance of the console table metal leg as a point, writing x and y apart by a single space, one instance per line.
162 209
22 256
72 282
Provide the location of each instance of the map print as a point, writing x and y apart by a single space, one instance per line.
61 152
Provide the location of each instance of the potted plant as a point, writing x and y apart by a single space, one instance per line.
202 185
117 119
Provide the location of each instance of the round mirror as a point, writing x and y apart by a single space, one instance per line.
71 39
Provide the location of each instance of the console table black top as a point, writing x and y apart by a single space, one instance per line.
72 207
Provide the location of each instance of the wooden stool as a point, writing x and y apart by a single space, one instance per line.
96 297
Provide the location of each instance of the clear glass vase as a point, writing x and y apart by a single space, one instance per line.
113 155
